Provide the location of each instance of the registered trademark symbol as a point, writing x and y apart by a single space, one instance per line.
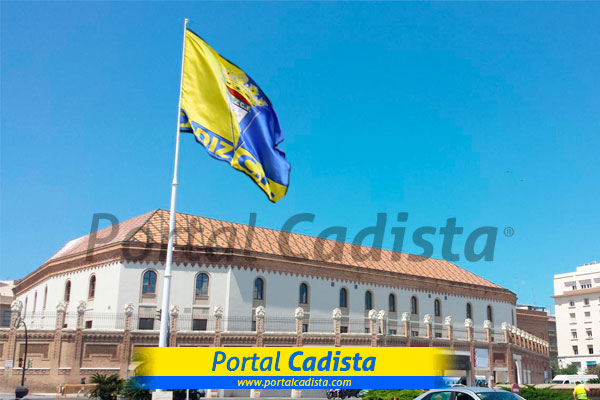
509 231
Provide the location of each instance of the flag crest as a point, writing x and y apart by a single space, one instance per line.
231 117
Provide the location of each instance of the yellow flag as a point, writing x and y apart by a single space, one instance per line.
231 117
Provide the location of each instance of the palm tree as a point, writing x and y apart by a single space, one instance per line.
107 386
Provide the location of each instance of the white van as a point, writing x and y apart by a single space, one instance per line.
572 379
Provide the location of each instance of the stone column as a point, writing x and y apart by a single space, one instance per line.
449 328
427 323
337 326
506 332
509 338
382 326
516 336
299 318
16 308
61 309
218 315
78 345
125 354
470 338
487 328
173 322
260 325
372 317
469 329
406 324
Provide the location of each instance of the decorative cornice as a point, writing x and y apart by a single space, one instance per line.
131 252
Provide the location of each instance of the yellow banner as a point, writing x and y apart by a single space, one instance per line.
292 361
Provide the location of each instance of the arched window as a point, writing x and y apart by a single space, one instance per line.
201 285
469 311
68 291
34 301
92 288
368 300
343 298
259 288
490 315
414 305
303 298
392 303
437 308
45 297
25 308
149 282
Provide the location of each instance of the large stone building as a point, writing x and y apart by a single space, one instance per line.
234 284
538 321
577 306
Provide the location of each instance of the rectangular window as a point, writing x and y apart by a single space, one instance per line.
575 350
586 302
6 318
88 324
253 327
572 315
586 285
392 331
304 327
199 324
146 316
414 333
590 349
146 324
574 334
438 334
343 329
589 333
571 303
587 314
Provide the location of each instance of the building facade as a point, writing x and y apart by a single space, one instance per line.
577 306
552 341
538 321
6 298
235 284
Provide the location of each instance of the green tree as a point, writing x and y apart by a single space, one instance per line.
130 391
570 369
530 392
554 368
593 370
107 386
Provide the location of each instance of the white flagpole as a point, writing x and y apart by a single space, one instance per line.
164 320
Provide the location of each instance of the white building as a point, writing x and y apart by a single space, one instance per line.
105 290
253 267
577 306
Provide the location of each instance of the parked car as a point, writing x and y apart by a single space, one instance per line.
468 393
572 379
342 393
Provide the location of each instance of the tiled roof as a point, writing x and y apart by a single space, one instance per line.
122 233
200 232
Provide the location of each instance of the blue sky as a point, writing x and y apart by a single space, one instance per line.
486 112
